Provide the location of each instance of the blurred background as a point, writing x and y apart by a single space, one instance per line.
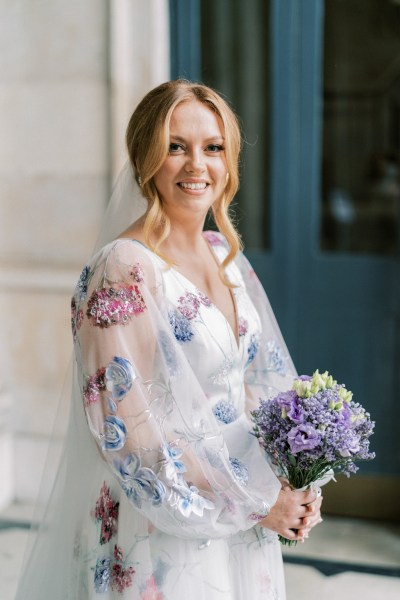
317 87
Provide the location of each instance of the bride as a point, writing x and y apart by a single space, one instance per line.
162 492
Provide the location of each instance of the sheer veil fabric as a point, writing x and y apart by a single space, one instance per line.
43 572
160 485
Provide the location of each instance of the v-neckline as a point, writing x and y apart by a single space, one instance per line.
234 334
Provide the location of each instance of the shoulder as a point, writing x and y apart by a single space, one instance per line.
124 260
216 239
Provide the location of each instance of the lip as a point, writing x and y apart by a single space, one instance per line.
193 181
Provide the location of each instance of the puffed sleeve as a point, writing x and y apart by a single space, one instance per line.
145 407
271 370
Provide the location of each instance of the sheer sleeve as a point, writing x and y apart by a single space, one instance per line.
272 370
147 411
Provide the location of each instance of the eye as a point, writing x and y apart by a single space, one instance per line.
214 148
174 148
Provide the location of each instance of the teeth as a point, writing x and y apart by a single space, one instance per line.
193 186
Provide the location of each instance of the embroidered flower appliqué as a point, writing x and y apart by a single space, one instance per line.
112 572
181 327
243 326
225 411
213 238
151 591
83 282
119 376
95 384
108 306
106 511
173 466
188 305
139 483
136 272
240 470
76 317
121 576
275 358
252 348
188 500
114 434
169 353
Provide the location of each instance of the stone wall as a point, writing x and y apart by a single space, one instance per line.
69 78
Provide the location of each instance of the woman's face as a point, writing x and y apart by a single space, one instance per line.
194 174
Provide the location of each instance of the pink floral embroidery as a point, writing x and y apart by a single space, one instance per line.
95 384
256 517
137 273
213 238
265 582
151 592
106 511
108 306
243 326
205 300
121 578
189 305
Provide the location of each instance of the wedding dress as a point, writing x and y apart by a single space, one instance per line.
161 484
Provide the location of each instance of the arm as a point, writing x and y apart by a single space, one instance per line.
146 409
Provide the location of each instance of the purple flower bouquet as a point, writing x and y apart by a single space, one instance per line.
313 431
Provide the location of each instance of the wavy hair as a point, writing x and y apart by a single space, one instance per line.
147 140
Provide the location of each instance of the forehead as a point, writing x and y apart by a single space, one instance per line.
195 116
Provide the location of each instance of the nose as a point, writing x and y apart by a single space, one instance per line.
194 162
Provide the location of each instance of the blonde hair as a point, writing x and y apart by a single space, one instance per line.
147 139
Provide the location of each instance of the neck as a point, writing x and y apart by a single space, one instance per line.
188 237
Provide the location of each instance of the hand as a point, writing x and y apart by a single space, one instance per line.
294 514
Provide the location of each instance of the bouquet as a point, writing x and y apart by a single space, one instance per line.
313 431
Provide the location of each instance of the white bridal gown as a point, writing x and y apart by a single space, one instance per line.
162 484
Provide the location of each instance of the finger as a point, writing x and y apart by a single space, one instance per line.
313 521
313 495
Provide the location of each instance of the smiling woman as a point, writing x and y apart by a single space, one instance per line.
175 342
195 166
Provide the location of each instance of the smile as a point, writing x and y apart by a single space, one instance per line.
193 186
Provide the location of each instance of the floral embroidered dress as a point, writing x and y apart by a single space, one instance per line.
168 488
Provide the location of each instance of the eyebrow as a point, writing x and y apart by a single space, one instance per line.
216 138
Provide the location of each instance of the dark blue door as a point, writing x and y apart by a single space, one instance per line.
320 200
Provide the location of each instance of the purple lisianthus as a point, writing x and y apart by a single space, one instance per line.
313 431
295 413
303 437
286 399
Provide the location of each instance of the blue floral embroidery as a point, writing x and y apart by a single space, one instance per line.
225 411
188 500
119 377
113 573
240 470
139 483
83 282
275 358
114 436
181 327
102 574
252 348
173 465
169 353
